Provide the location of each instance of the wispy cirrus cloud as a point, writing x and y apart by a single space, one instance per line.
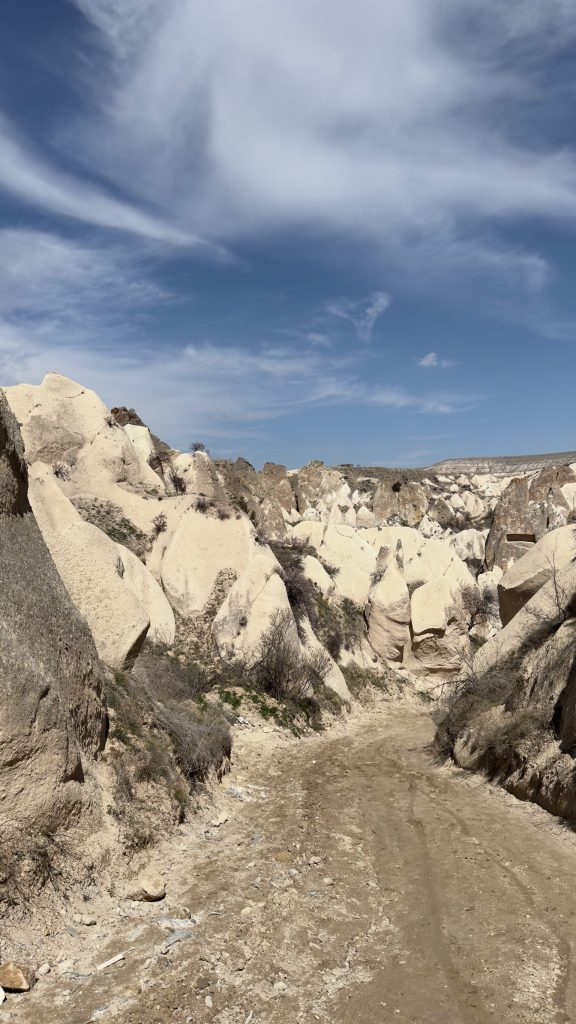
33 179
247 132
362 314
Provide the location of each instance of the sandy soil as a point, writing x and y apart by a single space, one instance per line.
356 882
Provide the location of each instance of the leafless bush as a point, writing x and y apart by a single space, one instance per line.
198 446
177 481
203 503
159 524
280 669
301 592
201 743
61 470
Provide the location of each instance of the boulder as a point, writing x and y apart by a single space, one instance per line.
541 563
16 977
52 716
441 512
148 887
431 606
470 546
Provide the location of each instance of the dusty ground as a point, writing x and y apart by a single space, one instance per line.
357 881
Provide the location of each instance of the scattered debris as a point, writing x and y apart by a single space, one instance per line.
179 936
108 963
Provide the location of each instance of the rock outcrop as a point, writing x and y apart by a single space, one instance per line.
53 718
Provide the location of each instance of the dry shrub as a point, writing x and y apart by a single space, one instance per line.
201 740
280 669
164 738
461 703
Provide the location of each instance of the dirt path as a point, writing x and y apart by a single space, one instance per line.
360 883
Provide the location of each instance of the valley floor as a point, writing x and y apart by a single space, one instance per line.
361 883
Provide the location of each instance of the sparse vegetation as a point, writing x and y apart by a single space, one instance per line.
177 481
111 520
163 734
198 446
61 470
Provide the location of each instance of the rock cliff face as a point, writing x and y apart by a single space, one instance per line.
514 716
52 716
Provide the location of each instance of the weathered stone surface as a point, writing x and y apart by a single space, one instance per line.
149 887
200 548
93 569
51 709
553 552
388 614
406 500
15 977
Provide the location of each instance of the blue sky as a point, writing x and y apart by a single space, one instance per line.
312 228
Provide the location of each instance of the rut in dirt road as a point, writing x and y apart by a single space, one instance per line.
370 885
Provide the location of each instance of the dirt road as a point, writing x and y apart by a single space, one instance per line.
357 882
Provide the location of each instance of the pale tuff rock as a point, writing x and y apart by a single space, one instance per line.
554 551
388 614
316 573
527 508
199 475
141 438
149 595
470 546
347 550
431 606
51 709
89 565
406 500
334 678
257 596
68 428
201 547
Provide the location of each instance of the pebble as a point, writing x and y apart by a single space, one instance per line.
280 987
328 881
2 995
208 1002
84 919
314 861
43 970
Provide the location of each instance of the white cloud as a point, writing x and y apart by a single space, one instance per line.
433 360
43 273
362 314
34 180
371 119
